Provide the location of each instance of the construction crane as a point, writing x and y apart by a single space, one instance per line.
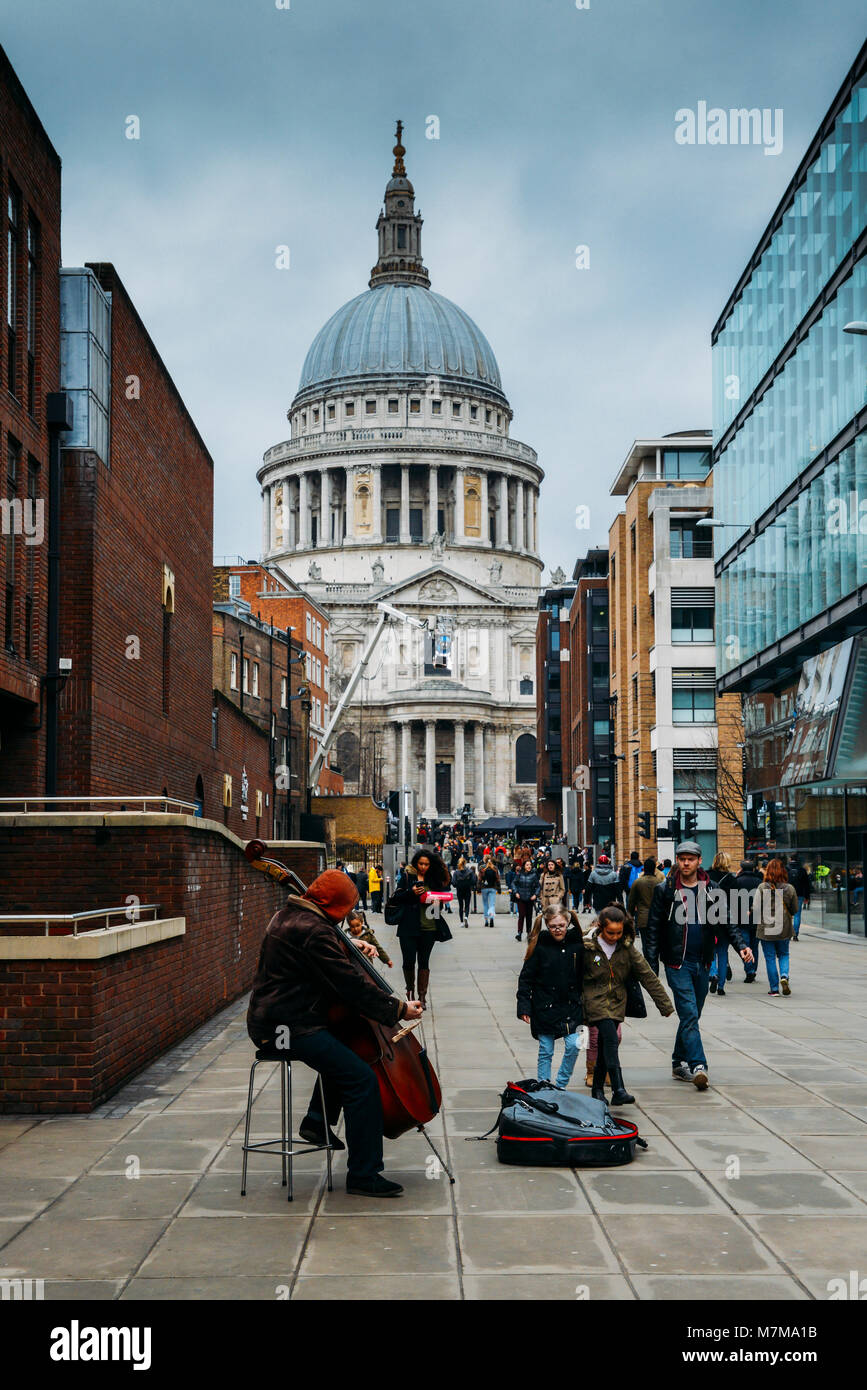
387 614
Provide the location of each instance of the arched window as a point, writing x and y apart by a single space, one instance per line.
525 758
347 755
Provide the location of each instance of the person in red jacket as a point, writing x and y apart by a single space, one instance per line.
303 969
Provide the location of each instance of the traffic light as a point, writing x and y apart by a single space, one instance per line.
644 824
673 826
690 824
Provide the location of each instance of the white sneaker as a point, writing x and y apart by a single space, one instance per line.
699 1078
681 1072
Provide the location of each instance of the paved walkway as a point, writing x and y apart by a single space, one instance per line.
787 1112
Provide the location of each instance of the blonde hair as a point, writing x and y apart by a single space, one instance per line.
555 910
462 863
721 861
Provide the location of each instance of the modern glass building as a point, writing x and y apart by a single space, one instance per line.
790 505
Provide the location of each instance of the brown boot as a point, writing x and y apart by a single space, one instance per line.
423 982
409 977
588 1079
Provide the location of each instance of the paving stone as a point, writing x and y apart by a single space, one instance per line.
388 1244
389 1288
579 1286
21 1197
713 1244
160 1156
845 1152
832 1243
529 1244
625 1190
229 1246
107 1197
745 1288
520 1190
69 1248
754 1152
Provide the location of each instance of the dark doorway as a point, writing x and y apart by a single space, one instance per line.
444 786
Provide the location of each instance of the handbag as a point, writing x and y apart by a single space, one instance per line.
442 932
635 1005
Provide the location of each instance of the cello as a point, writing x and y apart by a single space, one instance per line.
408 1085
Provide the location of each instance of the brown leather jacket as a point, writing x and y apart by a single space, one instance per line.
303 969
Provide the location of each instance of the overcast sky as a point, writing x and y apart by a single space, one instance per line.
263 126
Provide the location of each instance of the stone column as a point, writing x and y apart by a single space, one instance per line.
519 516
433 500
430 784
459 504
303 512
404 504
349 493
405 729
503 514
485 528
480 771
377 502
460 765
266 520
325 509
535 546
504 775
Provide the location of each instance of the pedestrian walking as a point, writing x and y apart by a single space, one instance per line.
610 957
775 903
376 888
575 883
463 882
679 934
358 929
747 881
526 889
552 887
550 989
418 923
509 877
800 881
722 878
628 874
640 894
489 882
603 884
362 883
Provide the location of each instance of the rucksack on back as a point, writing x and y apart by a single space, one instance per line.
634 873
541 1126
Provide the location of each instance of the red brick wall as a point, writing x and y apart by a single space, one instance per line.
28 158
71 1032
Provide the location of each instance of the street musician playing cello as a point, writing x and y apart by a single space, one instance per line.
304 970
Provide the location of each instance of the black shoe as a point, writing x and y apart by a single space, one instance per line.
518 937
619 1093
728 972
312 1133
373 1187
720 994
749 979
712 986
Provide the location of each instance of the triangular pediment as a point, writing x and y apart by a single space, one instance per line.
439 585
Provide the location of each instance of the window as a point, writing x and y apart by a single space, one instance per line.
436 407
233 671
653 605
331 410
634 617
526 686
32 259
416 525
13 216
392 524
613 571
635 772
284 691
349 408
325 678
167 657
685 463
370 407
653 684
256 679
487 416
246 675
474 412
401 237
555 639
692 624
693 706
632 537
316 417
414 406
304 419
456 410
393 406
234 586
308 624
525 759
32 492
326 641
13 460
635 697
318 634
307 664
688 543
499 419
601 728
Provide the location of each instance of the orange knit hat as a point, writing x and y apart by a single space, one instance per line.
334 892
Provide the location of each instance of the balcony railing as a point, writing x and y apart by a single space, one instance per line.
97 919
409 437
164 804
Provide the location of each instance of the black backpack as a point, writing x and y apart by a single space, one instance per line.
542 1127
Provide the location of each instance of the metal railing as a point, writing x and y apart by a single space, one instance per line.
81 803
410 437
29 919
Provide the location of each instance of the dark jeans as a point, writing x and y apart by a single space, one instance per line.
464 902
412 947
350 1085
376 901
688 987
748 932
526 913
608 1042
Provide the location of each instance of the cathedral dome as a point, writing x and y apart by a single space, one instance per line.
399 330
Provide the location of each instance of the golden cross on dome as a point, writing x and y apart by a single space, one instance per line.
399 170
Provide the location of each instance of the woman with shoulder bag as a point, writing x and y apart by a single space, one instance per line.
609 960
550 990
417 916
775 903
463 882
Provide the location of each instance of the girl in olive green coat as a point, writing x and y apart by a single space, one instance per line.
610 958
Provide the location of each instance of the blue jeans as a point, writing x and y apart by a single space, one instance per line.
796 920
546 1055
776 953
489 902
688 987
720 962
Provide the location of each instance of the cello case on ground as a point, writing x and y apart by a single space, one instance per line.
543 1127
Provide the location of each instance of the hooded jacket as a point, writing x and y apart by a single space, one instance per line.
605 980
666 931
550 985
303 970
604 888
640 895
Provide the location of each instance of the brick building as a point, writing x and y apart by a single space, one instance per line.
667 724
274 598
590 731
29 370
257 671
553 698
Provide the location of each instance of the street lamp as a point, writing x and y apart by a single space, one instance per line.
856 327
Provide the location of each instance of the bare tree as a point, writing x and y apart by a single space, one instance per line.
723 788
521 803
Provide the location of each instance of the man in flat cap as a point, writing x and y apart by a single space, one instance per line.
683 922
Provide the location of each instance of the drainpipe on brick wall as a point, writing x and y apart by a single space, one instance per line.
59 416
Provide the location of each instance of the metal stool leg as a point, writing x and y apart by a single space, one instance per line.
283 1143
288 1135
328 1148
247 1130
